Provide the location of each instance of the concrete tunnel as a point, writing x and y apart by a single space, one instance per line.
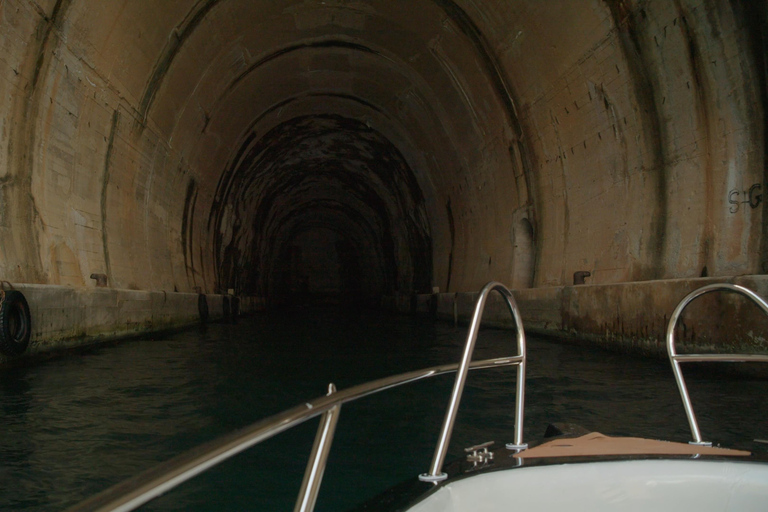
395 153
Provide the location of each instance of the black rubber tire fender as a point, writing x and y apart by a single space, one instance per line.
235 307
226 308
202 307
15 323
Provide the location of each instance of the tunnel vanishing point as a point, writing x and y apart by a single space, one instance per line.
165 161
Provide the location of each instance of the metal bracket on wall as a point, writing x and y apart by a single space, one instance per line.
101 280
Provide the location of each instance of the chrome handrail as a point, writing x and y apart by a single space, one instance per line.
676 358
150 484
313 476
435 473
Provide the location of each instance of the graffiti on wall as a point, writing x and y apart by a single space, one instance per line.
738 199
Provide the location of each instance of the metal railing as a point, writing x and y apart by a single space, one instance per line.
676 358
435 473
151 484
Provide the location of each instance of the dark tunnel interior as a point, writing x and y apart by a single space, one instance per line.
323 207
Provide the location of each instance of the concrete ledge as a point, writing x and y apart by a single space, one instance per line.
629 317
65 317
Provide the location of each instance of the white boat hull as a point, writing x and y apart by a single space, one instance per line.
628 486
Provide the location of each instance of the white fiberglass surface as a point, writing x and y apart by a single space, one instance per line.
647 485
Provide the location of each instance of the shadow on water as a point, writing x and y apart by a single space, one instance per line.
76 425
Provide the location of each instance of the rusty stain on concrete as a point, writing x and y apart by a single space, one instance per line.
175 41
631 24
187 223
22 142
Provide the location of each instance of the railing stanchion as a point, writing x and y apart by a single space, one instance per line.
676 358
435 473
313 475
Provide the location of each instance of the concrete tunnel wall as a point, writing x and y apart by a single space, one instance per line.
378 148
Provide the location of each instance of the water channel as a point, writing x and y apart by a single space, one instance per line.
72 426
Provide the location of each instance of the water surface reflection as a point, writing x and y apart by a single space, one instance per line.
73 426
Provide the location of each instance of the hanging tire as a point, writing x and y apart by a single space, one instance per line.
235 307
15 323
226 308
202 307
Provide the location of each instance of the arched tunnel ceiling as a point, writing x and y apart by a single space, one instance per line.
218 144
282 181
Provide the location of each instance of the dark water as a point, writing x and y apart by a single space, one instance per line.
71 427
